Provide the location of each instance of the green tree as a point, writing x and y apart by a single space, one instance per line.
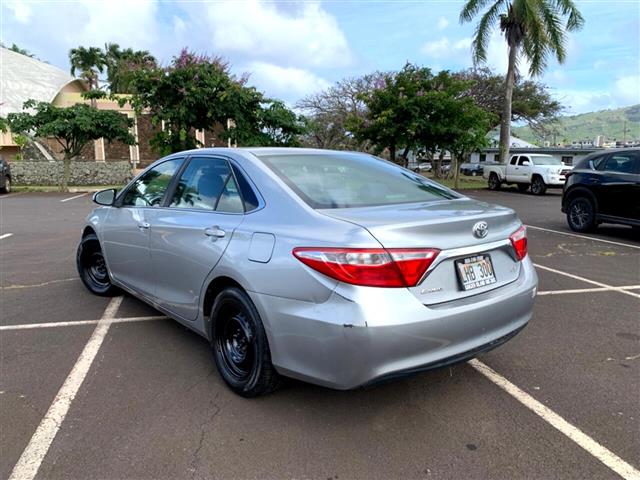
534 29
72 127
88 63
197 92
121 63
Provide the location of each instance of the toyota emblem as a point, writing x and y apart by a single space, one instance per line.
481 229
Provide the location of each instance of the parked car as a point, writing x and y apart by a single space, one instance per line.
423 167
536 171
5 176
604 187
336 268
471 169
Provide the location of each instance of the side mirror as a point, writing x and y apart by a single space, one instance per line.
526 163
105 197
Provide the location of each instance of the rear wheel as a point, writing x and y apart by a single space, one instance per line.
581 215
93 268
239 343
474 173
494 182
538 187
7 185
523 187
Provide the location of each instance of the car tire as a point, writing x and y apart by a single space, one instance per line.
538 187
474 173
240 347
493 182
7 185
416 170
92 267
523 187
581 215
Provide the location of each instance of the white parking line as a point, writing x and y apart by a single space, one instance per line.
586 280
30 326
588 290
592 447
73 198
5 235
32 456
583 236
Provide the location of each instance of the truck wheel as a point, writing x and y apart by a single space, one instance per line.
523 187
538 187
494 182
581 215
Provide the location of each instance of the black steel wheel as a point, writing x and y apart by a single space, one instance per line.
240 347
494 182
538 187
92 267
581 215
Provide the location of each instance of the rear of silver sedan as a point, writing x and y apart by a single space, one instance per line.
444 280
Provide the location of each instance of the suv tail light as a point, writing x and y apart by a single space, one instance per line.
371 267
519 242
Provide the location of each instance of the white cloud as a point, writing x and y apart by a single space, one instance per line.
627 89
442 23
306 36
287 83
21 10
448 49
624 92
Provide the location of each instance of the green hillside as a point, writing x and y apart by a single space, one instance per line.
587 126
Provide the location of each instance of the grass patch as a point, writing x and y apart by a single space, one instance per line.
466 182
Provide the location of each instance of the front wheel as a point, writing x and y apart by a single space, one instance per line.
581 215
93 268
494 182
240 347
538 187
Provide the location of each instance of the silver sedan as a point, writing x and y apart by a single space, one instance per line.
337 268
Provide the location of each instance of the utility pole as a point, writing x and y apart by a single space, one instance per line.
624 135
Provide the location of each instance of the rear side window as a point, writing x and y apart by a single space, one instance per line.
207 184
345 179
621 163
597 163
248 195
149 189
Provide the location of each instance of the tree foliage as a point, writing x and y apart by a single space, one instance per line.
327 112
71 127
121 63
415 109
197 92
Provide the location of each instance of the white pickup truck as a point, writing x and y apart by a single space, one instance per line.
537 171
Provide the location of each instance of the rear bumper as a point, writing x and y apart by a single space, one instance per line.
344 343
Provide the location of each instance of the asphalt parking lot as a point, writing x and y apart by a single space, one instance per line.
558 401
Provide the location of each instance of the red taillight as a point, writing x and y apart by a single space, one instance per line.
371 267
519 242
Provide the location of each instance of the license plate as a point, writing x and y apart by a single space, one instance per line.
475 272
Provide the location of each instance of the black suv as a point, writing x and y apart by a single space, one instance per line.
603 187
5 176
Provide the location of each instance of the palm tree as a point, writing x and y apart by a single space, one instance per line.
534 29
88 62
120 63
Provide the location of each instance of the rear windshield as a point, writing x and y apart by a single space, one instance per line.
344 180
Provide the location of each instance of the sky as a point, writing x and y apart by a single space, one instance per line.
295 48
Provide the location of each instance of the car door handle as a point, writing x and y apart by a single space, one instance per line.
144 225
214 232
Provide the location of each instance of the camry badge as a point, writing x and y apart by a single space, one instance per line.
481 229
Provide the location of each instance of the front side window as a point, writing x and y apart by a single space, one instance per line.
522 160
208 184
149 189
621 163
345 179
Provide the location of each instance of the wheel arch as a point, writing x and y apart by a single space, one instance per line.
580 191
88 230
214 288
